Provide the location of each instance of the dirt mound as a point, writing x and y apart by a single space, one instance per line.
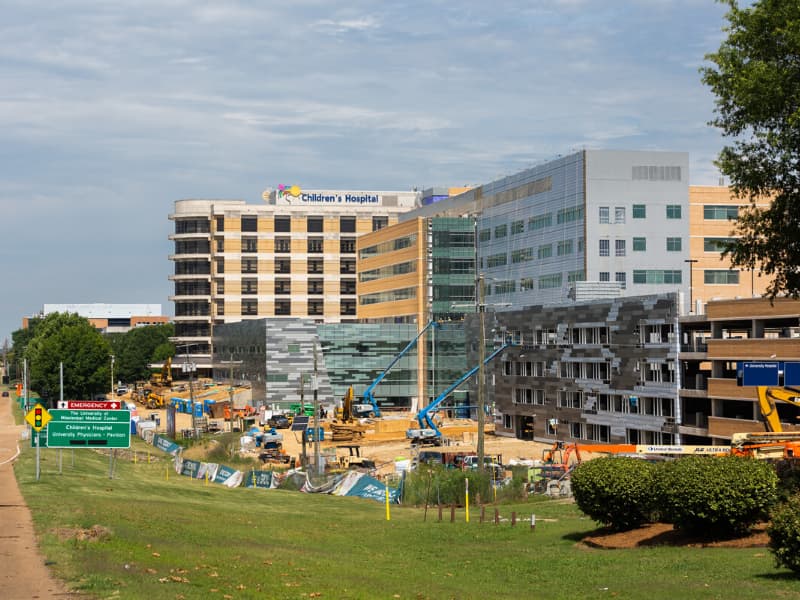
95 533
663 534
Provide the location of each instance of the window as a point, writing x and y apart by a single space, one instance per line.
249 265
220 265
673 211
314 224
716 244
249 244
220 308
605 248
220 223
283 265
315 245
249 307
517 227
283 224
619 247
315 266
220 245
501 231
505 287
540 222
605 276
283 245
574 276
496 260
347 246
639 244
379 223
619 214
484 235
720 212
316 287
347 307
657 276
564 247
620 279
604 214
249 286
639 211
580 244
283 307
545 251
525 284
347 224
283 287
220 286
548 282
315 308
674 244
523 255
347 286
249 224
347 266
567 215
722 277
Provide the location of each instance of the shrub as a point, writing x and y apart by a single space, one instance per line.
715 495
436 484
615 491
784 534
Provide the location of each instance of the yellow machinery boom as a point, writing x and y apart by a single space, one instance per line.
768 397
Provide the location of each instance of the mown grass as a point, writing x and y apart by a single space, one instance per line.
183 539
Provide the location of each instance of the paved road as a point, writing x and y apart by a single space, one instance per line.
23 574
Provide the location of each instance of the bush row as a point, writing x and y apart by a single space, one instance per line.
715 496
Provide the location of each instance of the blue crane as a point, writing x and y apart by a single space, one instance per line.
428 431
369 399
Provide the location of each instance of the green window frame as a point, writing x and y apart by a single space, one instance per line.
674 244
720 212
639 244
639 211
517 227
673 211
720 277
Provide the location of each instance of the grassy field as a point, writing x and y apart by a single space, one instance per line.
180 539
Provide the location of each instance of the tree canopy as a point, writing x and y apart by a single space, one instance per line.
755 77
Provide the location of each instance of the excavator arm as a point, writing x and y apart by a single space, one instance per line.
768 397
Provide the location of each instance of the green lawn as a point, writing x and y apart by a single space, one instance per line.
180 538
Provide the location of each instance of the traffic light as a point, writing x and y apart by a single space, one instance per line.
38 413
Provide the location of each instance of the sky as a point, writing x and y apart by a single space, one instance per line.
111 111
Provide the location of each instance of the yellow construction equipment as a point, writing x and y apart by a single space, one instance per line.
768 397
164 378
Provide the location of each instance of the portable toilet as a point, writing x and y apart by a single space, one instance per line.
207 405
198 408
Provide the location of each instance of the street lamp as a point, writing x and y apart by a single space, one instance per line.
111 397
691 262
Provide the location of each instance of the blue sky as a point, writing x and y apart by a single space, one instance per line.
111 111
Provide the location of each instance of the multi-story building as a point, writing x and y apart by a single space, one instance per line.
294 256
617 218
711 212
603 370
110 318
715 404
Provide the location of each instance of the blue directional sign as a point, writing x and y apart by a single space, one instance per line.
760 373
791 374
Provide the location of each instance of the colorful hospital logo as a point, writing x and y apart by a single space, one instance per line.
284 191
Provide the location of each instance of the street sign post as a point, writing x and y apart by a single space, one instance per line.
89 404
89 429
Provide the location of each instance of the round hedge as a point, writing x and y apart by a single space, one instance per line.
784 534
615 491
715 495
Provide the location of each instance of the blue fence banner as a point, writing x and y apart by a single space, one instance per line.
259 479
371 488
190 468
166 445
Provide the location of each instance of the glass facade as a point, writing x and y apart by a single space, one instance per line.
453 267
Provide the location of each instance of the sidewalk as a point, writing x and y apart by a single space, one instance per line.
23 574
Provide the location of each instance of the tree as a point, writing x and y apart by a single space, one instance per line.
71 339
139 347
756 81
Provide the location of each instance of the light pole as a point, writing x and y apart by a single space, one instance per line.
481 370
111 397
691 262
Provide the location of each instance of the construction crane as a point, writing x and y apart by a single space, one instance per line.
368 398
768 397
428 432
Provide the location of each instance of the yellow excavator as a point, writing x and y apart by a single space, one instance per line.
768 398
164 378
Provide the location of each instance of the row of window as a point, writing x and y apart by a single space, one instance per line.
347 266
249 308
283 245
673 244
283 224
544 251
638 211
565 215
283 286
390 246
614 403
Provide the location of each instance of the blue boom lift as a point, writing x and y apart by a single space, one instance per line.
428 432
370 405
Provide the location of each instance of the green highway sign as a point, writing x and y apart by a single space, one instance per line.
89 429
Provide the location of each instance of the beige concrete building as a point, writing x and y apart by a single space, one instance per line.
711 209
294 256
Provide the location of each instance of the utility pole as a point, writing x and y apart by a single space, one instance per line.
481 370
315 387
